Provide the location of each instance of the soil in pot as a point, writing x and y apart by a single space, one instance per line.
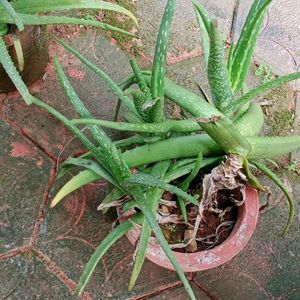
213 229
34 43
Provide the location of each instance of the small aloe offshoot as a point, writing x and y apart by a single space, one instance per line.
169 151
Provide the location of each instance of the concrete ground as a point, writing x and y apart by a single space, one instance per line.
43 251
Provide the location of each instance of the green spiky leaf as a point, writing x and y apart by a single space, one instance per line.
243 51
9 9
281 185
42 6
28 19
159 61
217 71
109 240
204 23
108 81
150 181
251 95
13 74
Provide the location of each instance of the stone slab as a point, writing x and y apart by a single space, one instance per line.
24 179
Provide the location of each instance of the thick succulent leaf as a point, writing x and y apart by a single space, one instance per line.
152 198
140 199
116 167
181 126
281 185
252 180
185 184
8 8
140 253
140 179
13 74
109 82
251 95
159 61
140 79
38 6
28 19
94 167
187 169
198 164
204 23
18 51
217 71
243 51
109 240
81 179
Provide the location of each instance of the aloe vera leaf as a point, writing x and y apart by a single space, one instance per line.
185 184
108 81
221 130
164 244
217 71
159 62
117 166
150 181
237 104
229 59
97 153
140 79
180 126
88 176
181 162
186 169
243 51
268 147
109 240
9 9
253 181
81 179
38 6
13 74
94 167
140 254
280 184
18 51
139 99
152 198
28 19
204 23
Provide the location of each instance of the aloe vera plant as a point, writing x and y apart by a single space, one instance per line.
164 150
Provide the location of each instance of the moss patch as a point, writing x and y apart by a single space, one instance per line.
279 116
120 21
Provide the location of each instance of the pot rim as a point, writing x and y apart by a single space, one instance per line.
208 259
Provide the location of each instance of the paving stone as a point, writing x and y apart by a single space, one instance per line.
27 278
185 34
278 45
24 178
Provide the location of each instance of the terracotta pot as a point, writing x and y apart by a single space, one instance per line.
34 43
204 260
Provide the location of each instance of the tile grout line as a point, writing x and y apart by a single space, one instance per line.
21 132
205 290
42 208
161 289
60 274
